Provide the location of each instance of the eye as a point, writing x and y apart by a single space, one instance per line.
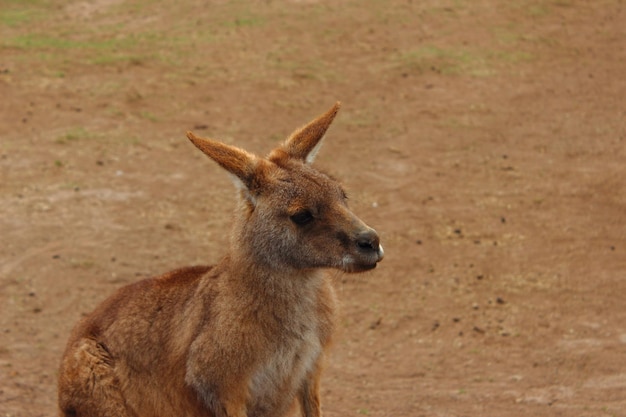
302 217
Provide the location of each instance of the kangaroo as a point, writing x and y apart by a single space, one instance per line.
247 336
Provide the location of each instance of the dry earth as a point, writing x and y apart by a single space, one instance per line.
485 140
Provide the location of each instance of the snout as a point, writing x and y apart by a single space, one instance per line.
368 252
368 243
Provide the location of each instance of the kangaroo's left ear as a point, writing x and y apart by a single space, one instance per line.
304 143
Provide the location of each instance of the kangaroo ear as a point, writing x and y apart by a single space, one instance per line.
234 160
304 143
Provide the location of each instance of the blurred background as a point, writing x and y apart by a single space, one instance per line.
484 140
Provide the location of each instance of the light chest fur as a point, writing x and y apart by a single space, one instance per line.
285 369
292 356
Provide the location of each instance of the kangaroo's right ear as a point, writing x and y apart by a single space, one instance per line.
236 161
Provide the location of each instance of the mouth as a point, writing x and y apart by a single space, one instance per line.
363 262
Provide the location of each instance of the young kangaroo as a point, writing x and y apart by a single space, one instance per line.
243 338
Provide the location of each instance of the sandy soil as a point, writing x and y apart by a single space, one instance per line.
484 140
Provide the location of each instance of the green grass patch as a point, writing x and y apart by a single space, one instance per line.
129 49
16 13
13 18
457 61
149 116
246 21
41 41
511 57
74 135
442 60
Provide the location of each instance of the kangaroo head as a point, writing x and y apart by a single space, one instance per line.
292 215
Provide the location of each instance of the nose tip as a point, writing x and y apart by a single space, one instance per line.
368 241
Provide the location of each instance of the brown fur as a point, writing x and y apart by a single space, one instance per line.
243 338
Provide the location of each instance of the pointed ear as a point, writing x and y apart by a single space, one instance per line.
236 161
304 143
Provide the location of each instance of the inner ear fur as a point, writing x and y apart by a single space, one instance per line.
304 143
241 164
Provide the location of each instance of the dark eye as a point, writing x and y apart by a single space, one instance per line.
302 217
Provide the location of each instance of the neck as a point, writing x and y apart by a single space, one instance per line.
263 280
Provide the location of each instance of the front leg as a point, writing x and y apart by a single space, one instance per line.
220 380
309 394
229 400
233 403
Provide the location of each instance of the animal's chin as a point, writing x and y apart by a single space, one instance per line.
355 268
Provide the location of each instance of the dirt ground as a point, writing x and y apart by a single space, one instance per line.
484 140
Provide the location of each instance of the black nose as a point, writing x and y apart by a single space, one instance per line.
368 241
